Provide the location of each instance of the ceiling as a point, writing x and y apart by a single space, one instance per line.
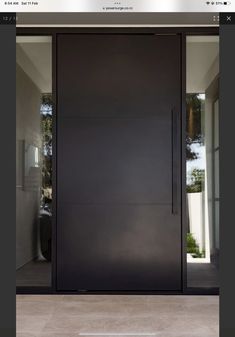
34 55
202 62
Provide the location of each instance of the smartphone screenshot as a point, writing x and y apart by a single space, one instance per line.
117 123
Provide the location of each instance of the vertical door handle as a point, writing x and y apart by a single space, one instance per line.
174 138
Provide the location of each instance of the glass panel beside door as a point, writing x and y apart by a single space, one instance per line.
202 161
33 161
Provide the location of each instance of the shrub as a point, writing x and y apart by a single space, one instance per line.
192 246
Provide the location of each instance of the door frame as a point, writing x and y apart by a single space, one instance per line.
183 32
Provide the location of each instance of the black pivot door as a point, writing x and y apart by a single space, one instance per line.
118 162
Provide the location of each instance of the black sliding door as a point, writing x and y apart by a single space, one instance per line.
118 162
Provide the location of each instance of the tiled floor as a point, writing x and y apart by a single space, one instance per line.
204 275
34 273
117 315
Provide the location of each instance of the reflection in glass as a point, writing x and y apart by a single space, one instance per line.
33 161
202 161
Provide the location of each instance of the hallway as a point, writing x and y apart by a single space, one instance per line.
117 315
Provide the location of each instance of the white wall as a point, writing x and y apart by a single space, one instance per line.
196 218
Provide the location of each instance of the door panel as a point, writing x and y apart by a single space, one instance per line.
117 175
119 247
117 160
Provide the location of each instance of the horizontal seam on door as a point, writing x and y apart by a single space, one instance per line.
116 203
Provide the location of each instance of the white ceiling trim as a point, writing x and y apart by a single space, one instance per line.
33 39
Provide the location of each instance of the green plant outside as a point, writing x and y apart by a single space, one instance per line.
193 248
197 179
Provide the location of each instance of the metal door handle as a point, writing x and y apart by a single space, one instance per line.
174 118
